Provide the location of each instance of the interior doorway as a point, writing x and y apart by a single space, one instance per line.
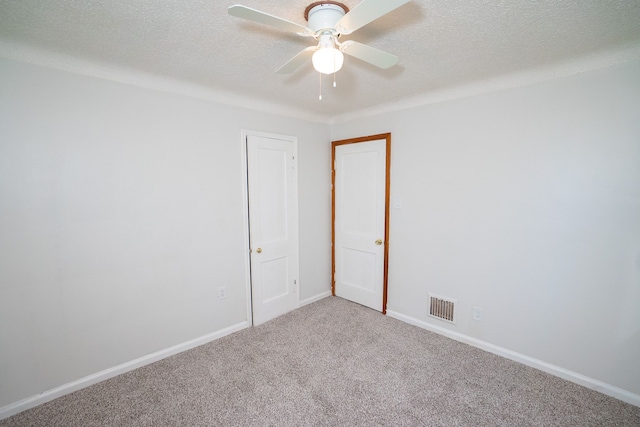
360 213
271 224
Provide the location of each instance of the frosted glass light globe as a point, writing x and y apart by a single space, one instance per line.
327 60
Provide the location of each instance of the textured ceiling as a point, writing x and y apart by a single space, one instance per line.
442 44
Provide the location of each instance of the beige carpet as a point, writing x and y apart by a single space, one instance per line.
333 363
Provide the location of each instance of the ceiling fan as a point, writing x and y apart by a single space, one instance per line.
327 21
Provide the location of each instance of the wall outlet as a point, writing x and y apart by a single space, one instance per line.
477 313
222 292
397 202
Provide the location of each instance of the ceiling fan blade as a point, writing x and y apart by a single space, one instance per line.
369 54
254 15
295 62
365 12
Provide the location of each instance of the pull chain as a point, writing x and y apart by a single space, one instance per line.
334 67
320 96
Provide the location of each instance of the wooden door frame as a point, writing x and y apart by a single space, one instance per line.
387 193
244 135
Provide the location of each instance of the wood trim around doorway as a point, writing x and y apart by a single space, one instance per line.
387 193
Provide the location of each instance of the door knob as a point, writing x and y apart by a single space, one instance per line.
259 250
379 242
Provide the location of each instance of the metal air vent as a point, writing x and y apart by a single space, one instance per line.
442 308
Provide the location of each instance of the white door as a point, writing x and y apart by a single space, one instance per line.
272 194
360 205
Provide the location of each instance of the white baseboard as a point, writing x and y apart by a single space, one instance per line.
604 388
46 396
30 402
315 298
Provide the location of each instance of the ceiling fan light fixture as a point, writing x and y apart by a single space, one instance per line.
328 20
327 60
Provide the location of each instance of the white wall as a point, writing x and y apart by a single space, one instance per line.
526 203
120 215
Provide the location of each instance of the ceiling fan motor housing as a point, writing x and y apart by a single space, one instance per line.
324 16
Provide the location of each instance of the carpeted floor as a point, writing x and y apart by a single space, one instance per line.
333 363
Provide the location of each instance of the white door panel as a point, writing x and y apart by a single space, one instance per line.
358 189
272 226
360 209
274 279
